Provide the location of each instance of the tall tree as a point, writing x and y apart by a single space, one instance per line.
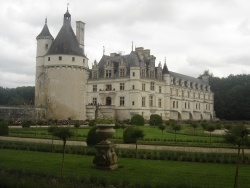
237 135
63 133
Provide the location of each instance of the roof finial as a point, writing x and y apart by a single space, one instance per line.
103 50
67 7
132 46
46 20
165 61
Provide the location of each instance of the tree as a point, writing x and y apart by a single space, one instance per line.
155 120
132 135
194 125
237 135
137 119
51 130
77 125
137 134
176 127
63 133
210 128
162 128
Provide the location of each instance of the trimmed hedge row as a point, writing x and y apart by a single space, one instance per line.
226 158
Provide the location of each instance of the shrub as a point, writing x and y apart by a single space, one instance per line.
92 123
137 119
92 137
26 123
155 120
128 135
4 129
77 125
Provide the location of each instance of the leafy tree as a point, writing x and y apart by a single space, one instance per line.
204 124
237 135
51 130
194 125
63 133
92 123
137 119
210 128
155 120
176 127
132 135
77 125
162 128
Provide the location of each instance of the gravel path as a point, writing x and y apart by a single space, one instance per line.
130 146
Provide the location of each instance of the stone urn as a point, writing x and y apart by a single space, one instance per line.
105 131
106 158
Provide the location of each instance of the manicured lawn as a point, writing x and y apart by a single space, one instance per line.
132 170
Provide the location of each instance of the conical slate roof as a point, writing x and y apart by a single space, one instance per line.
45 32
66 42
165 69
134 60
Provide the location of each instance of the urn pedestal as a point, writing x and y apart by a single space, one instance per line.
106 158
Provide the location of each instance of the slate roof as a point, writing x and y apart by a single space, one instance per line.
186 78
165 69
66 42
45 32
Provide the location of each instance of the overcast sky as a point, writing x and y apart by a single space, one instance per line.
193 35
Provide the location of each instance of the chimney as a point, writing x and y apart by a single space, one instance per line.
80 27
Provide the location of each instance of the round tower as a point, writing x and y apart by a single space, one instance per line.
65 75
44 41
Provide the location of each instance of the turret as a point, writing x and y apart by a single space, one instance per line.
44 41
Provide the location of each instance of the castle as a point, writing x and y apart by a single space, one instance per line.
117 87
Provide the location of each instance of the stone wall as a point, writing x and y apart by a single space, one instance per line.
22 112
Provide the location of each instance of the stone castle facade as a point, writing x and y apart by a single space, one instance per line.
117 87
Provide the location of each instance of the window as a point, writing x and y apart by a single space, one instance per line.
94 88
159 89
185 105
48 58
152 86
143 87
133 86
159 103
122 72
176 104
48 100
108 87
188 105
176 92
94 74
94 101
183 93
173 104
46 46
121 101
60 58
122 86
133 73
83 60
151 101
133 103
143 101
73 58
108 73
143 73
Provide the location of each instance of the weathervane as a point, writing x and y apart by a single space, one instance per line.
46 20
103 50
132 46
67 6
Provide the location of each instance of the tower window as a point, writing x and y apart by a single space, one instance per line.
133 103
122 101
46 46
48 58
60 58
73 58
83 60
133 73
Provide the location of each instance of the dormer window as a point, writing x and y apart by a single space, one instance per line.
108 74
122 72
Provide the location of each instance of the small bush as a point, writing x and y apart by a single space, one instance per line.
137 119
155 120
26 123
77 125
92 123
4 129
128 135
92 137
